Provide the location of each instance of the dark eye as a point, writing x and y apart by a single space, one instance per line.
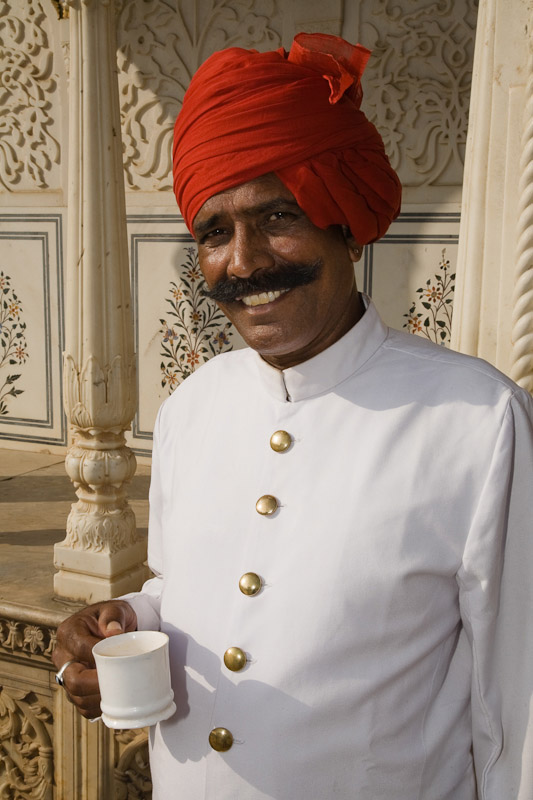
277 217
214 236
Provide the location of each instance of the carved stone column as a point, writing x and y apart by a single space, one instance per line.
522 333
102 556
492 307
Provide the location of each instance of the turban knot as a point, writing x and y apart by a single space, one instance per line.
296 114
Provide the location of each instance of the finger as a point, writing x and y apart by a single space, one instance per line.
60 656
80 681
75 641
82 690
88 707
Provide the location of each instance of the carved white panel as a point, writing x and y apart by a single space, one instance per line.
417 84
160 46
29 99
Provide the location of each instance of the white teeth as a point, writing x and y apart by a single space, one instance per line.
261 299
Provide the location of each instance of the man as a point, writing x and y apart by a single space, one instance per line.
340 514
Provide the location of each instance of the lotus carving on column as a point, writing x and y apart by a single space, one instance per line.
100 398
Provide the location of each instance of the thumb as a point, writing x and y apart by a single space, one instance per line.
115 616
113 627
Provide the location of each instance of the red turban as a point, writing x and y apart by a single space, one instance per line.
296 114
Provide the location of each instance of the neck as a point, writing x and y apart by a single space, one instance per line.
352 314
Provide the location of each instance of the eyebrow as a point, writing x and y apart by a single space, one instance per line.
200 228
276 204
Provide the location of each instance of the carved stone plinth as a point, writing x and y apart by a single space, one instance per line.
102 556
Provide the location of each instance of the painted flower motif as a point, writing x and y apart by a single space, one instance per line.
170 335
433 294
13 345
193 273
434 320
199 329
193 358
414 325
170 378
220 339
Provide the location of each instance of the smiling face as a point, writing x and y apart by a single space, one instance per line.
287 286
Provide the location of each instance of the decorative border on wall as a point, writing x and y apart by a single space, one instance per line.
393 237
176 329
135 240
31 640
48 423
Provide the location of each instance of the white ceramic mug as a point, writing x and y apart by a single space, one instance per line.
134 677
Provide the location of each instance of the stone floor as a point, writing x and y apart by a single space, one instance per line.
35 499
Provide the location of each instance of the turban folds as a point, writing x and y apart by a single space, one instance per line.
296 114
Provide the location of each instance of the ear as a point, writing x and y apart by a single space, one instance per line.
354 249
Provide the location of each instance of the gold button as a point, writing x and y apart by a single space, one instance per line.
250 583
235 659
266 504
220 739
280 441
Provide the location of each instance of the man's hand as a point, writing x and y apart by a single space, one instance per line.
76 637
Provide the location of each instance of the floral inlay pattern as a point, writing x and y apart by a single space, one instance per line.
195 329
436 298
13 347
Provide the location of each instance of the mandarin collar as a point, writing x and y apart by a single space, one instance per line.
326 370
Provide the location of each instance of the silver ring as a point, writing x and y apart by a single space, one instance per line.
59 675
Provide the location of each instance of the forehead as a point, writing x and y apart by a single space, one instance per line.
245 197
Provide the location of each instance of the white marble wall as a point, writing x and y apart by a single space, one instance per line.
417 89
33 151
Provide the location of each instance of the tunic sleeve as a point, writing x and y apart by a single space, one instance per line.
147 602
496 596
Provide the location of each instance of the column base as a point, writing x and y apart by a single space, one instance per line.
92 577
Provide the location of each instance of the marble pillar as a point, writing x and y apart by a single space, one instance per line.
493 307
522 319
102 555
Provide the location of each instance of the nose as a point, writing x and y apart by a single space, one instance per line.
249 252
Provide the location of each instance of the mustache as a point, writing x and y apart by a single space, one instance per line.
286 275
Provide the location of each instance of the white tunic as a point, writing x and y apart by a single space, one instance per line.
394 628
